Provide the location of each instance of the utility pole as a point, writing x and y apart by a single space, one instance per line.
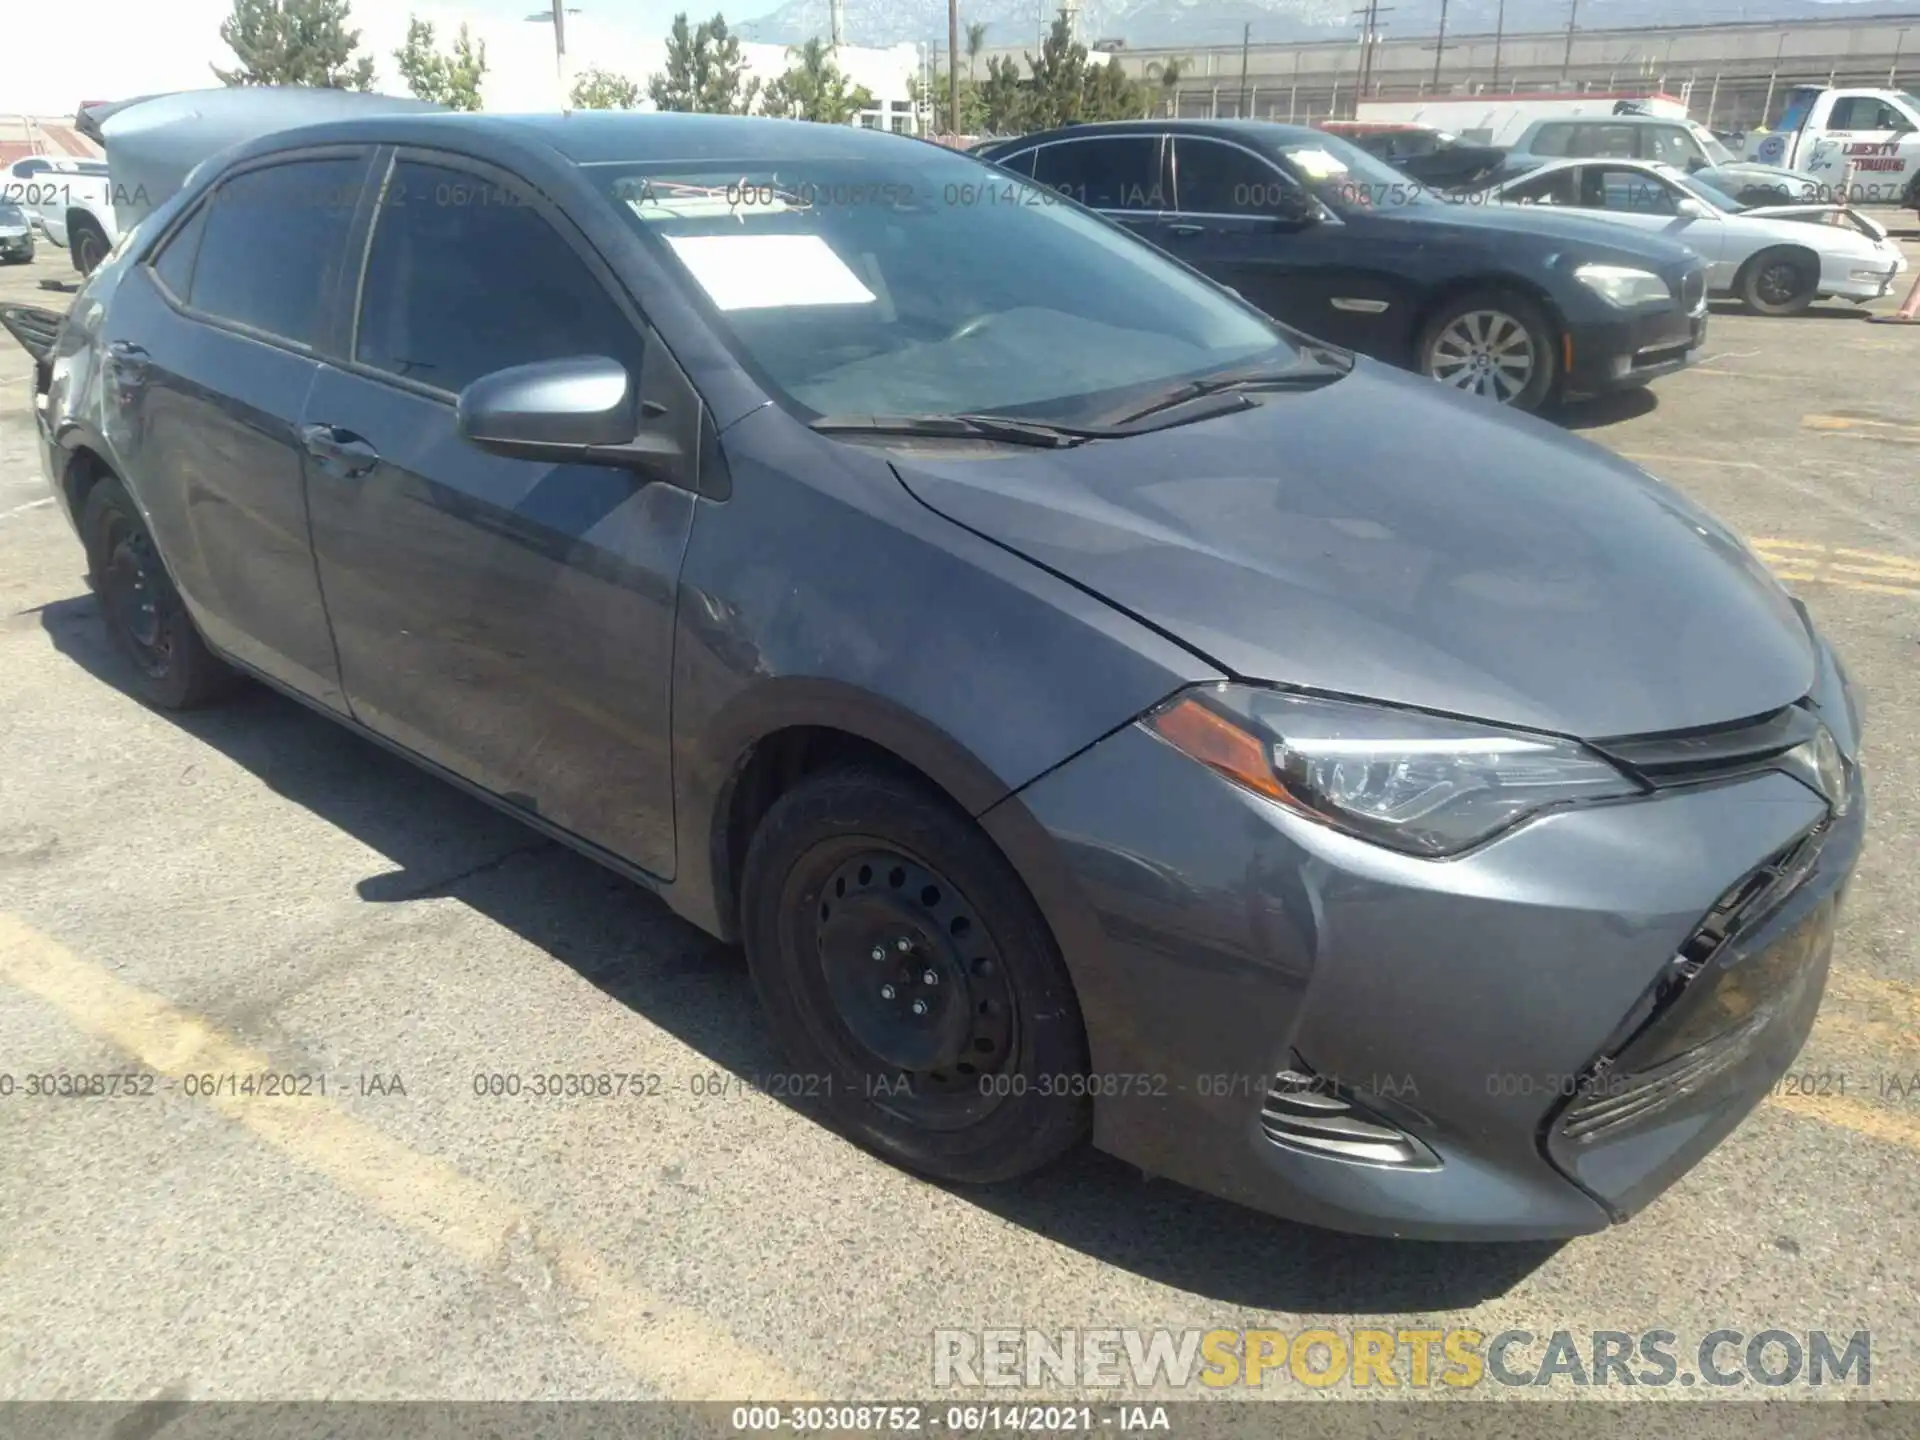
1439 46
1246 41
953 67
1499 31
1370 22
1566 59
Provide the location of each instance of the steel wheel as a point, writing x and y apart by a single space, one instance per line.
131 584
1484 352
915 986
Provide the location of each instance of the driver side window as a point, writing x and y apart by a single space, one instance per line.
1631 192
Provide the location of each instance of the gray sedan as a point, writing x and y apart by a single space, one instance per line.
1099 710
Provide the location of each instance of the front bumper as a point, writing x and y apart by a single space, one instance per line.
1627 349
17 247
1462 1003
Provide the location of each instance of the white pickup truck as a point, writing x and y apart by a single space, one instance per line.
1822 131
72 200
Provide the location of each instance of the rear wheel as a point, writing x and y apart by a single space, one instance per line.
87 242
1778 282
1494 345
910 977
144 615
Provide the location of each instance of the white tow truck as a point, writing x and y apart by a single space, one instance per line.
1825 132
72 199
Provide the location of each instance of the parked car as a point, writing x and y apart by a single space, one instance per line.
1516 306
1084 697
16 235
70 200
1684 144
1776 259
1433 157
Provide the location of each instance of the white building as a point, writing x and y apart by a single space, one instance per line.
57 56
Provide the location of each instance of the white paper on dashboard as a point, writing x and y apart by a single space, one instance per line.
760 272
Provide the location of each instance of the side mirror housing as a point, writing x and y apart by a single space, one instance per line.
573 410
1688 208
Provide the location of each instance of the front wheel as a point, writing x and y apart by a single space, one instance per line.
1497 346
1778 282
912 981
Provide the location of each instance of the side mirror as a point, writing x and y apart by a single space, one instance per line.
555 410
1695 165
1688 208
1295 208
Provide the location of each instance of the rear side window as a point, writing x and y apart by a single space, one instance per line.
269 241
174 263
1117 173
466 277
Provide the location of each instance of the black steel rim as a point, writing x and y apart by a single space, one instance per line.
908 988
1779 283
131 589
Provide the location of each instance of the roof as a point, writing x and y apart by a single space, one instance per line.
1255 132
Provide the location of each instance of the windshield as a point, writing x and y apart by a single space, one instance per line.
930 285
1345 177
1716 152
1717 198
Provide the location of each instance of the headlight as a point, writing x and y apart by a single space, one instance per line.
1623 285
1410 781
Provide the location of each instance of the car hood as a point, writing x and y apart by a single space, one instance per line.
1484 218
1384 538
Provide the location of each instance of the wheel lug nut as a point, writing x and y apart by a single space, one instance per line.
929 977
887 992
878 953
919 1007
903 944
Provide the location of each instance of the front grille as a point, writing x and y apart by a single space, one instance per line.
1716 752
36 330
1614 1101
1308 1112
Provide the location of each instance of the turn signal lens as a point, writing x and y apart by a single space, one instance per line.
1212 739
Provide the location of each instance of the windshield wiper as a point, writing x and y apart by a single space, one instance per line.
1304 374
1007 428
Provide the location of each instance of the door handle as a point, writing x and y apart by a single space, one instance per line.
340 452
1184 228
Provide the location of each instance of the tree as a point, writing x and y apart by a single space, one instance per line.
1170 75
705 71
597 89
451 80
814 89
1058 89
1005 101
976 42
294 42
973 110
1112 94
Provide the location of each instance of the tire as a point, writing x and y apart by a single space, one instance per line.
146 620
1777 282
982 1087
87 243
1471 342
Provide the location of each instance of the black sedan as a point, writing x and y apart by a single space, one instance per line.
1520 307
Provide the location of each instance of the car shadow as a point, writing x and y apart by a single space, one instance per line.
1599 411
626 942
1819 310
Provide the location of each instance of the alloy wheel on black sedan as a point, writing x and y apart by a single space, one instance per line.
1495 346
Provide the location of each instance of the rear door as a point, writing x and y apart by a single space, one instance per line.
1122 176
509 620
211 349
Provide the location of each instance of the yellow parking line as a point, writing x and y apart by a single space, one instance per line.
1863 1117
674 1350
1810 562
1865 428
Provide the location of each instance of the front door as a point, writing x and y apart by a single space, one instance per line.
509 620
